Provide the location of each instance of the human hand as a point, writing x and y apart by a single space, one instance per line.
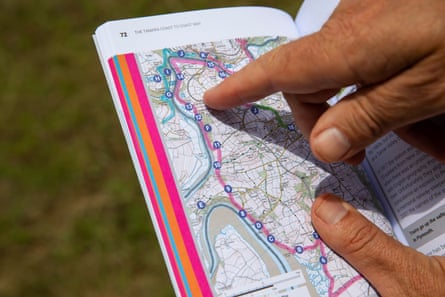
393 269
393 50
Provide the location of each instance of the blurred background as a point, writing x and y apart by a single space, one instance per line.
73 221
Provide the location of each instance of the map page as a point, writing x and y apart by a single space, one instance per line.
230 192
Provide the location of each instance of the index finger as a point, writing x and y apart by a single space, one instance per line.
255 81
351 48
303 66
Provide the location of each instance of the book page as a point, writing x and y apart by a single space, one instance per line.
229 192
162 31
414 187
313 14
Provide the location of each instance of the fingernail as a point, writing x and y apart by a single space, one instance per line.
331 145
208 94
331 210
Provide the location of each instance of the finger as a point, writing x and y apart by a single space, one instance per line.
296 67
330 59
393 269
362 117
312 67
357 158
424 136
307 114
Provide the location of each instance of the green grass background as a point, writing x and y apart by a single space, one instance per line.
73 221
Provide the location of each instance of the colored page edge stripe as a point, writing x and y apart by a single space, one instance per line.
115 67
149 148
189 278
179 217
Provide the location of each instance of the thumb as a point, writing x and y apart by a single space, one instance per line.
393 269
362 117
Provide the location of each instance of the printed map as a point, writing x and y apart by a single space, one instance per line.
247 178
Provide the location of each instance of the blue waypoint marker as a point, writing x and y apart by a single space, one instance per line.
179 76
157 78
299 249
228 189
167 71
323 260
216 145
201 204
217 165
271 238
258 225
315 235
189 106
181 53
203 55
198 117
207 127
242 213
168 94
254 110
211 64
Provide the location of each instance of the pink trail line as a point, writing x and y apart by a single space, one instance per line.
345 286
313 246
318 243
325 269
243 45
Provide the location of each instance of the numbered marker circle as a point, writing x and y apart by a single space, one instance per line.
315 235
181 53
222 74
203 55
242 213
217 165
216 144
198 117
271 238
291 127
207 127
211 64
254 110
167 71
157 78
323 260
258 225
189 106
299 249
228 189
180 76
168 94
201 204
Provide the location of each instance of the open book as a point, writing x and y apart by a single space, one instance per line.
230 192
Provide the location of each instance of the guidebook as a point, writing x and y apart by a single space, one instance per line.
230 192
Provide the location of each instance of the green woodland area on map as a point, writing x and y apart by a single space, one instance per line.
73 220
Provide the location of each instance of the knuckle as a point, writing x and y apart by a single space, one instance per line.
272 62
427 285
366 121
341 36
360 238
343 26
